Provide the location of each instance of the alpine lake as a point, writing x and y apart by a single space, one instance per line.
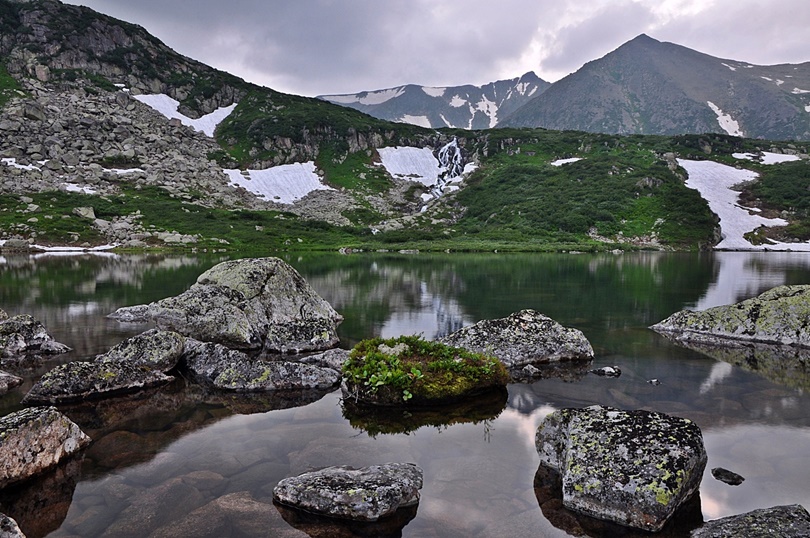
174 461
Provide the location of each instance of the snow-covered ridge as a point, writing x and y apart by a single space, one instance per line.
284 184
168 107
714 181
366 98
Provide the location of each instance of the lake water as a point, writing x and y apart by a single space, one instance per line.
180 461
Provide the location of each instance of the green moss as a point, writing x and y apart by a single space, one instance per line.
420 370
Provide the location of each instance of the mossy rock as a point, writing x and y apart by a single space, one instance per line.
415 372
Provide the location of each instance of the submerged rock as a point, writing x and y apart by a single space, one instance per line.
137 363
23 334
366 494
525 337
783 521
34 440
224 368
259 303
778 316
631 467
8 382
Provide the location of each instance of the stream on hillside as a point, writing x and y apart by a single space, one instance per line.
182 461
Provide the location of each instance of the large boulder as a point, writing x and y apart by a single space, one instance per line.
635 468
778 316
137 363
782 521
522 338
34 440
23 334
228 369
366 494
252 304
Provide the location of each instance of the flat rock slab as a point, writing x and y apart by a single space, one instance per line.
227 369
365 494
783 521
34 440
778 316
631 467
135 364
525 337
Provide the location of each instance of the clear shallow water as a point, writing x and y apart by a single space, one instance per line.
171 461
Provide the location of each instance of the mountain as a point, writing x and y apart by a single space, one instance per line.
463 107
651 87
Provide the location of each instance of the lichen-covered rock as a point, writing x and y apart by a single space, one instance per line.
332 358
77 381
137 363
632 467
34 440
259 303
366 494
23 334
778 316
131 314
8 382
525 337
227 369
783 521
9 528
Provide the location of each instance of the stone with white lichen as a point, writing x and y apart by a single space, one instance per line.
783 521
366 494
635 468
778 316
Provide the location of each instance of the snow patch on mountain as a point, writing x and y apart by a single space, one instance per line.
367 98
457 101
766 157
490 109
416 164
168 107
560 162
434 92
421 121
284 184
714 181
730 67
799 91
727 123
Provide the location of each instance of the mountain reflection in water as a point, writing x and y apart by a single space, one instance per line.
183 461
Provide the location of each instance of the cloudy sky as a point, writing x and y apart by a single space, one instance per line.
313 47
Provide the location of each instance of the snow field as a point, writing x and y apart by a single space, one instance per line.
168 107
714 181
416 164
284 184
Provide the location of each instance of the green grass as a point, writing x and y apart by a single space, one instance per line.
9 87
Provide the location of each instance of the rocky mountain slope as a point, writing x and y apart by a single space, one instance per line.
463 107
649 87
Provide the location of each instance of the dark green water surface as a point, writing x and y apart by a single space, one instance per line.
183 462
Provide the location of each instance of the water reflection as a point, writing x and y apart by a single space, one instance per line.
179 462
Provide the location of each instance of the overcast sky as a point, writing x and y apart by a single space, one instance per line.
314 47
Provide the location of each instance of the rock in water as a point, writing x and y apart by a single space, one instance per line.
632 467
366 494
8 382
228 369
259 303
34 440
24 334
137 363
729 477
778 316
525 337
783 521
9 528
